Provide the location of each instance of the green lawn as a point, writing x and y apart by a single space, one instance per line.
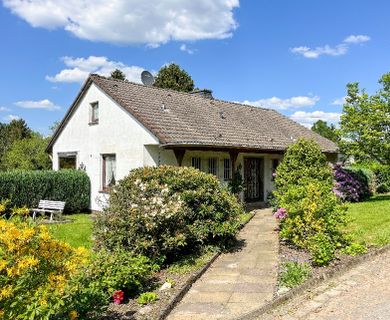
77 233
370 221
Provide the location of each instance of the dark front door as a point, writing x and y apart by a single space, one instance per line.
253 177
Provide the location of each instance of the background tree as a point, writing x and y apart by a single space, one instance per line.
322 128
27 154
9 133
365 123
118 74
174 77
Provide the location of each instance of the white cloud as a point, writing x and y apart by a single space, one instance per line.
4 109
11 117
184 48
308 118
131 21
339 101
327 50
357 39
79 69
318 51
44 104
283 104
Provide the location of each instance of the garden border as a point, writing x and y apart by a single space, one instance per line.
194 277
314 282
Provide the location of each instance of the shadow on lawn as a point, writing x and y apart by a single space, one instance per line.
381 197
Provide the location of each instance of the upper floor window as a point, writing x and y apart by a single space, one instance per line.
196 163
108 171
227 172
94 114
213 168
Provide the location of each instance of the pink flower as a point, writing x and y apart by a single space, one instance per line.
280 214
118 296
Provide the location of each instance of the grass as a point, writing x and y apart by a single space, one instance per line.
370 221
77 233
190 263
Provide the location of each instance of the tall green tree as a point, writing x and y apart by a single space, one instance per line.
27 154
322 128
365 123
118 74
174 77
15 130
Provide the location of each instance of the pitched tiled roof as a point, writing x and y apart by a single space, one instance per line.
184 119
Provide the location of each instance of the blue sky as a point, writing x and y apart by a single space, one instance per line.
295 56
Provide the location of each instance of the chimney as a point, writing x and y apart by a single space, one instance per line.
205 93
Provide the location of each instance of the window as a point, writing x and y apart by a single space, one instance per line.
275 163
108 171
213 168
94 119
196 163
227 173
67 160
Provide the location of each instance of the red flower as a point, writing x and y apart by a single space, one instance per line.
118 296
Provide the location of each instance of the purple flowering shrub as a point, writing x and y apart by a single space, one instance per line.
350 184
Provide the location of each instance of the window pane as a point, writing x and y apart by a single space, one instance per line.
109 171
213 166
196 163
226 169
95 112
67 162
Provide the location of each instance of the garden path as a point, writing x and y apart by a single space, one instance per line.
237 282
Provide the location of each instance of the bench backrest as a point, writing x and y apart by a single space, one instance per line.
52 205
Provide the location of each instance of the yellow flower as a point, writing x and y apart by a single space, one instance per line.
1 314
5 292
73 315
3 264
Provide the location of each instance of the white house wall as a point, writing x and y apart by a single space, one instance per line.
116 133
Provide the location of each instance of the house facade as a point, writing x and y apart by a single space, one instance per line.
114 126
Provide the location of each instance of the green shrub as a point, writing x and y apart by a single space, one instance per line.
117 270
164 211
26 188
382 174
294 274
354 249
147 297
304 191
322 249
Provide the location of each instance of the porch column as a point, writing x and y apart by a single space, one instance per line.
179 154
233 158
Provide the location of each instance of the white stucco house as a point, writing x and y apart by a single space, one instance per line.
114 126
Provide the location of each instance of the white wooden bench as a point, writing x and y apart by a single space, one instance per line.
49 206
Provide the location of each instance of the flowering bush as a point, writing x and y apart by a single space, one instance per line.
163 211
280 213
312 214
351 185
35 271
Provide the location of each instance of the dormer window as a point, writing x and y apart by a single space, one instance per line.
94 114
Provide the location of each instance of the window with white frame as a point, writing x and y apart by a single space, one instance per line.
196 163
213 166
94 113
108 171
227 171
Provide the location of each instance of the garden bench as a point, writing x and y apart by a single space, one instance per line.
49 206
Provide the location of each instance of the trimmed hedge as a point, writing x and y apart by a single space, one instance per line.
26 188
